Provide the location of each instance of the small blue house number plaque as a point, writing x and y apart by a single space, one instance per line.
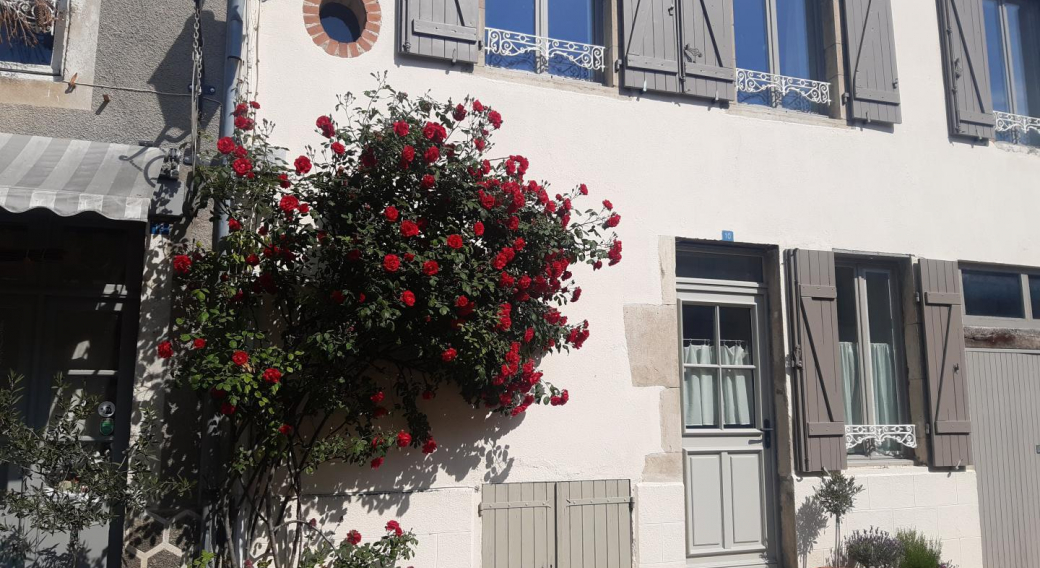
727 235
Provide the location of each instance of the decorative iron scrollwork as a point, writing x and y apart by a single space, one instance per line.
905 434
749 81
1007 122
36 15
511 44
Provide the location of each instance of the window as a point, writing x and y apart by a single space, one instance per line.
872 363
1013 48
697 264
1005 294
27 35
780 55
559 37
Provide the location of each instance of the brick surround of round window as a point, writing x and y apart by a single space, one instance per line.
369 17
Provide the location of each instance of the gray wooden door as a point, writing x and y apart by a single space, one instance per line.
727 427
69 306
1005 393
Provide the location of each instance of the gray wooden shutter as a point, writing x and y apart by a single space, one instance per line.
518 525
871 56
949 425
441 29
969 101
649 45
707 50
819 397
594 523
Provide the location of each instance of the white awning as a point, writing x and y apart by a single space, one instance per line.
118 181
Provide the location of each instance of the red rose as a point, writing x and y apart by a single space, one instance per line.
165 350
613 220
408 154
408 298
401 128
377 462
478 228
272 376
583 189
477 107
378 397
461 302
283 181
519 243
430 267
302 164
528 335
244 123
199 343
431 155
408 257
495 119
429 447
487 201
226 145
403 440
240 109
227 409
240 358
285 429
252 259
428 181
390 213
338 148
608 204
368 159
434 132
337 296
354 537
391 263
242 166
459 113
480 144
449 355
234 225
241 152
394 526
576 295
288 203
324 123
455 241
409 229
305 209
182 263
254 104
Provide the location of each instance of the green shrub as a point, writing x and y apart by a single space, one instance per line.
918 550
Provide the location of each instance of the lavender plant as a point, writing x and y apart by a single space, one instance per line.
874 548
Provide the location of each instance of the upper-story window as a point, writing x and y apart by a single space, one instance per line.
995 296
27 36
1013 49
558 37
779 54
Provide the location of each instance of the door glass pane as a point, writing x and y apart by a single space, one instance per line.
698 335
573 20
801 47
751 37
514 16
848 345
997 294
735 336
91 255
1034 295
696 264
881 310
86 340
738 397
699 397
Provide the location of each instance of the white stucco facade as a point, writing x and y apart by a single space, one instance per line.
673 168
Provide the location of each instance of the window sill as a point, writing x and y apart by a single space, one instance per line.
1016 148
781 115
881 462
546 80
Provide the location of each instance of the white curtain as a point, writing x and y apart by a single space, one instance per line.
853 386
738 385
886 395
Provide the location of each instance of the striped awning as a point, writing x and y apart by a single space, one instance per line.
68 177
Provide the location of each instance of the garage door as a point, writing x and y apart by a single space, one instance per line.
1005 415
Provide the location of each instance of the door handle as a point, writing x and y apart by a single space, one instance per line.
767 434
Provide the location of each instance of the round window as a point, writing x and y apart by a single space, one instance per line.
343 28
343 21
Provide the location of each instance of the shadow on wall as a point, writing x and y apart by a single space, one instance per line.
810 521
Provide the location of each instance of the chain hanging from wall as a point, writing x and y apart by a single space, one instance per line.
196 80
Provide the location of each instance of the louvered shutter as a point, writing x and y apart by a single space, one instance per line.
594 523
871 56
707 51
943 334
441 29
819 398
649 45
969 101
518 525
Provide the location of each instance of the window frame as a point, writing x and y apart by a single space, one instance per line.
861 267
60 32
1010 85
1029 321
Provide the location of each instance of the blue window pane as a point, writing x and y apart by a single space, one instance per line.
1024 39
751 37
798 27
995 52
340 22
33 52
997 294
577 21
514 16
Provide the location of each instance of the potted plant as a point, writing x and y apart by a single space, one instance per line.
873 548
836 495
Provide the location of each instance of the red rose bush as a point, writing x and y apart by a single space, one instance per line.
394 260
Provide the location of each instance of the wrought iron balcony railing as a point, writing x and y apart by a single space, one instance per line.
506 43
905 434
1007 122
36 15
777 87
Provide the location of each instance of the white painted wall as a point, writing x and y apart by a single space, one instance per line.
672 167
